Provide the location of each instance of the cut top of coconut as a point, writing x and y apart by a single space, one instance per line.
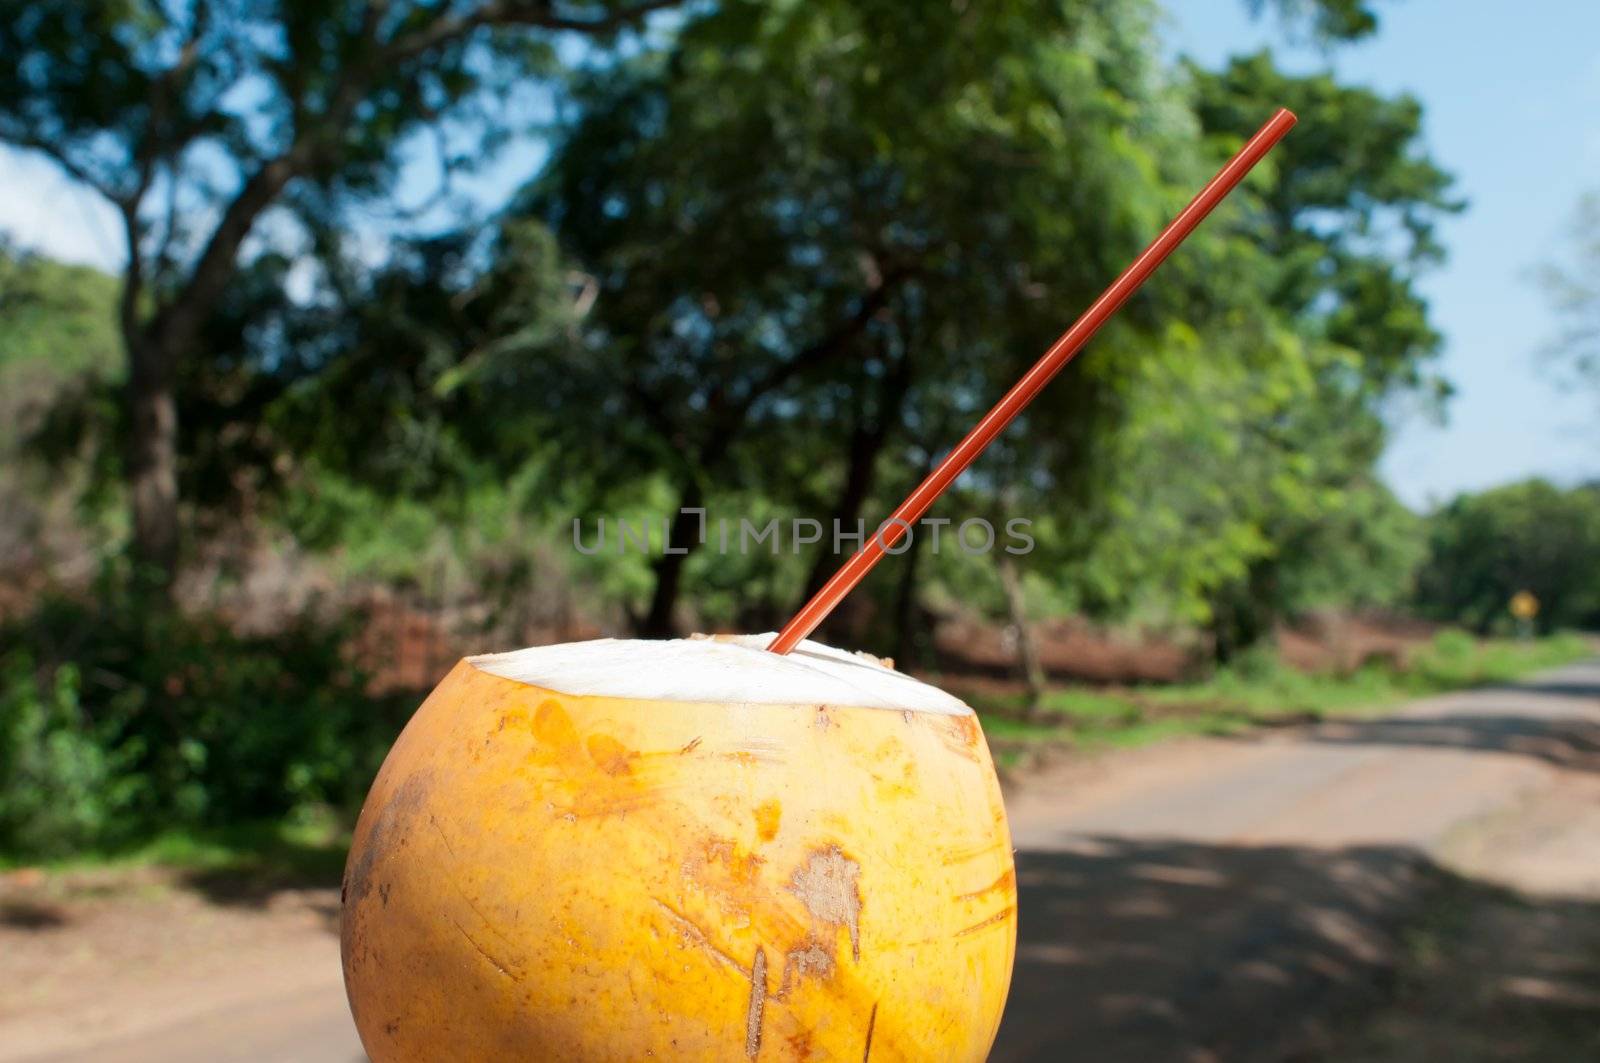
723 668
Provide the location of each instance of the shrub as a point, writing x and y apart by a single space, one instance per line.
64 783
1455 659
120 718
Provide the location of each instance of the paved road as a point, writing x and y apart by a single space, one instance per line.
1211 901
1197 901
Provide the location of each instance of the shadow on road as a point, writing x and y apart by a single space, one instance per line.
306 870
1177 951
32 915
1572 743
1577 686
243 888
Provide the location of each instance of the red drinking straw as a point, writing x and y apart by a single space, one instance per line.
1022 392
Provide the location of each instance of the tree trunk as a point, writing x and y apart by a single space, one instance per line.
152 462
1242 614
658 621
153 350
1027 652
865 447
867 441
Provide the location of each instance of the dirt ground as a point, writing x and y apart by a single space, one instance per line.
93 959
407 646
1422 886
1071 649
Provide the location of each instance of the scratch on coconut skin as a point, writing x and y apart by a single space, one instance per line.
961 856
1007 881
755 751
810 960
380 839
758 1000
442 836
461 891
693 931
485 953
999 917
872 1024
829 886
487 922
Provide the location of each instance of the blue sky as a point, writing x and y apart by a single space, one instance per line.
1512 97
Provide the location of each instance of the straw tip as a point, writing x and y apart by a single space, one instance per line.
1285 116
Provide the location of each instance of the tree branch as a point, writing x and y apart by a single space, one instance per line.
514 13
180 320
132 278
830 345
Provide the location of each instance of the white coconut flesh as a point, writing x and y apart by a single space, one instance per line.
733 669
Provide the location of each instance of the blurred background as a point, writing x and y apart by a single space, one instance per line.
323 324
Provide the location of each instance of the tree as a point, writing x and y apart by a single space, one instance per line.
1573 288
1228 474
1344 232
1530 536
194 120
807 221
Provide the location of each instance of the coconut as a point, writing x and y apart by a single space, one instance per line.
690 849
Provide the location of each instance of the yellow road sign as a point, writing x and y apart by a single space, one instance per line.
1524 606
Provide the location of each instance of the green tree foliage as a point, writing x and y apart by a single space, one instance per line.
196 119
1332 247
873 215
1352 215
781 257
55 318
58 343
817 240
812 227
1239 487
1530 536
397 380
1328 20
57 334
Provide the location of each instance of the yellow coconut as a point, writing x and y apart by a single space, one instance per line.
695 849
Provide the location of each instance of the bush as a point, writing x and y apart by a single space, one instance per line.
64 784
119 719
1455 659
1529 536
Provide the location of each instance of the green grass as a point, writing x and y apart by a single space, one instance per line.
1261 691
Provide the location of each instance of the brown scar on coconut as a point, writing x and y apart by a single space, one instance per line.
829 885
758 999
